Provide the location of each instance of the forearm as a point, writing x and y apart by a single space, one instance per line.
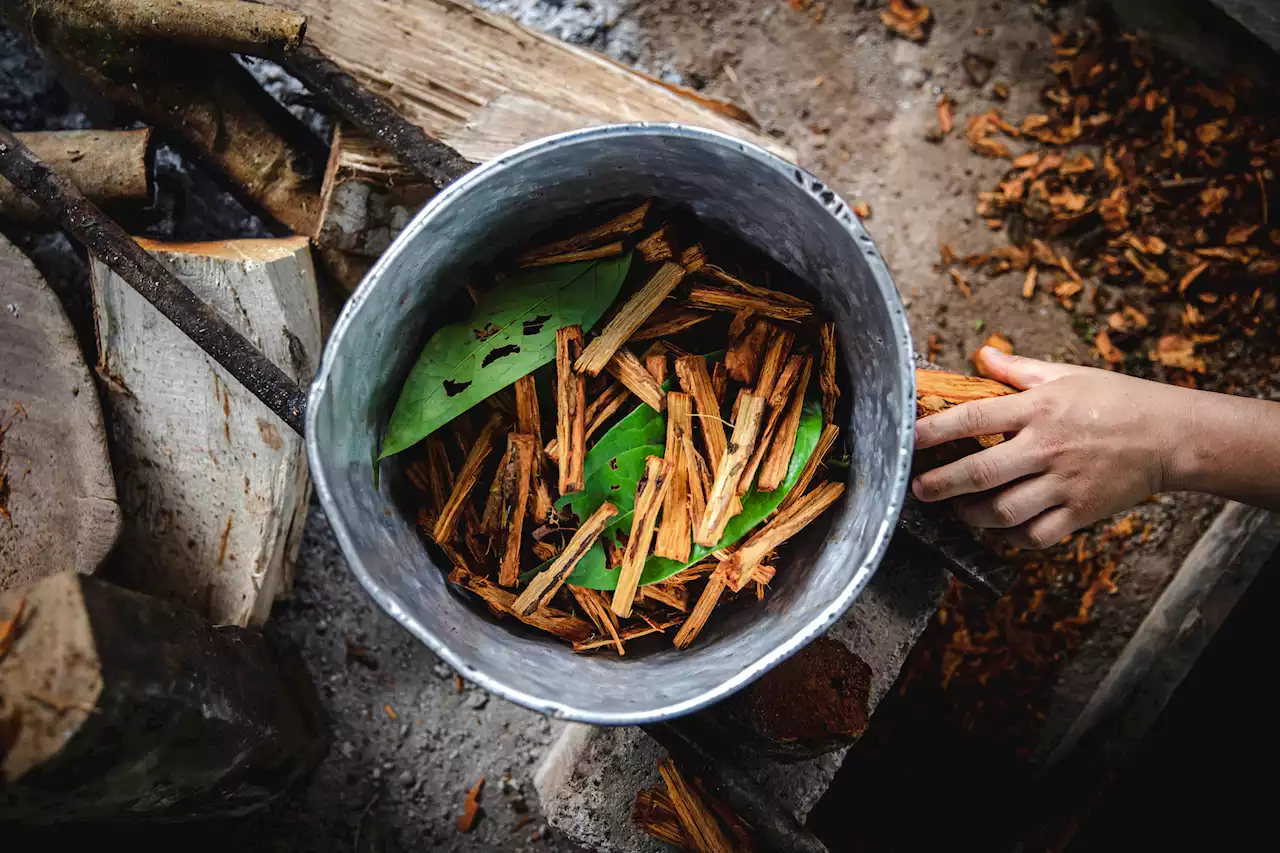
1228 446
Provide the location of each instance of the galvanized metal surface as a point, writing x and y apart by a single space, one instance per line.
769 203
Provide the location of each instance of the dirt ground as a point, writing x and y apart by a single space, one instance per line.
856 103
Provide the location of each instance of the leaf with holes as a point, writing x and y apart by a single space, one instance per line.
613 469
511 334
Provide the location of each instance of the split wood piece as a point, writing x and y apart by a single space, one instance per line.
673 595
609 250
601 409
595 604
467 478
483 83
670 319
692 372
697 477
627 635
782 391
741 565
106 165
787 381
571 410
104 722
719 382
439 474
746 352
937 391
774 469
543 588
655 814
655 362
631 372
521 449
775 361
656 248
612 553
566 626
693 259
674 537
224 25
695 816
609 232
631 317
545 550
213 489
650 493
740 323
754 290
58 507
712 298
368 195
529 421
729 472
827 374
706 603
828 437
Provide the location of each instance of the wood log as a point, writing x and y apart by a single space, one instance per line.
227 25
484 84
125 707
213 491
58 506
106 165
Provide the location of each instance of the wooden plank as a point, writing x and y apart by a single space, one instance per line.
213 486
57 496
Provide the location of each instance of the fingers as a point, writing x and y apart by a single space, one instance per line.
1004 463
969 420
1045 530
1020 372
1013 505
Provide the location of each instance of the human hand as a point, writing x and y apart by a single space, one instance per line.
1088 443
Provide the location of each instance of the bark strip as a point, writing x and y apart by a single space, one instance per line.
740 566
692 372
650 493
543 588
609 232
674 537
729 472
571 409
631 372
520 448
566 626
827 375
710 298
746 351
707 602
631 317
467 478
774 469
828 437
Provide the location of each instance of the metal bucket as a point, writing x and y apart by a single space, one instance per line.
731 184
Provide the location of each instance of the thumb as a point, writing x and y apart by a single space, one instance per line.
1020 372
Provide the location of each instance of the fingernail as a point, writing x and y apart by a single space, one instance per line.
917 488
991 352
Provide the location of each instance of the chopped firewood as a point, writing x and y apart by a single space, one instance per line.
723 299
106 165
439 474
775 359
470 808
827 375
672 595
630 371
571 409
601 409
529 421
820 451
692 372
693 259
543 588
228 25
657 246
631 317
670 320
609 250
655 362
595 604
707 602
674 540
566 626
629 634
655 814
650 493
719 382
774 469
776 296
516 474
609 232
746 352
729 471
741 564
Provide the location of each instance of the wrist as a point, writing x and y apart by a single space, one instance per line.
1187 445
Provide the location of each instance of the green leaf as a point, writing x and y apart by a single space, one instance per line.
618 461
512 334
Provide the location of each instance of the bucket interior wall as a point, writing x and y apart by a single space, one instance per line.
736 188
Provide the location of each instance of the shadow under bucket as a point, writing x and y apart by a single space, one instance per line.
730 185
